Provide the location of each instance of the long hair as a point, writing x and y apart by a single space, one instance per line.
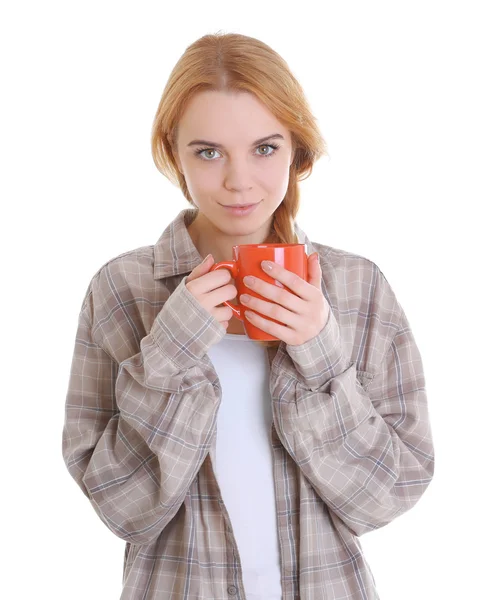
231 62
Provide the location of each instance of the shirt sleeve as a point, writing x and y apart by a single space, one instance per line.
361 438
136 433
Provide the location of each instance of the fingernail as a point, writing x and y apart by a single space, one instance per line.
266 265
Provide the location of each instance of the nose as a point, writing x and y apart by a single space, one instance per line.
237 176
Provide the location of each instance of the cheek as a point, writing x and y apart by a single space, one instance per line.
202 181
275 178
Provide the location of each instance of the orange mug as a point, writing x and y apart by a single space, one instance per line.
247 261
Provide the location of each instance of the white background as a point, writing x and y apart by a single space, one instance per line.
400 91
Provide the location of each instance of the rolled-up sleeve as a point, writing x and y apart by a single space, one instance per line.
362 438
136 433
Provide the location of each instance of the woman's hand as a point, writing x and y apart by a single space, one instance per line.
304 315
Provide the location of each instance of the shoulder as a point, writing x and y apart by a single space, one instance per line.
359 292
120 274
338 262
122 301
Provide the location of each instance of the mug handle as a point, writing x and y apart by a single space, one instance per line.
232 266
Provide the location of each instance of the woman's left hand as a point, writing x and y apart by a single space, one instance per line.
303 313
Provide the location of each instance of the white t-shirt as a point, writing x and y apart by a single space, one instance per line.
244 461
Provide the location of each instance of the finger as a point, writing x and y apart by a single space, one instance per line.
295 283
278 295
206 282
273 310
222 313
279 331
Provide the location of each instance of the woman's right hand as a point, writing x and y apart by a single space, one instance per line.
210 289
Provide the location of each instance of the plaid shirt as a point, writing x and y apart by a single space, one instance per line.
351 437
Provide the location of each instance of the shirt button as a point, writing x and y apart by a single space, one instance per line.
232 590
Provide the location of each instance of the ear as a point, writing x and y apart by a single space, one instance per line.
174 151
177 160
292 151
292 154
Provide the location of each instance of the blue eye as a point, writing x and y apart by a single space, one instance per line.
198 152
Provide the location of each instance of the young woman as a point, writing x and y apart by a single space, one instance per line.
234 468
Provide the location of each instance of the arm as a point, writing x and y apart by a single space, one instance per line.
137 433
363 441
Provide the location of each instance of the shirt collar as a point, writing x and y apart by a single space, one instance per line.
176 254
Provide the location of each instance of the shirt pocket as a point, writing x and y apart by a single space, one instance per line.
364 379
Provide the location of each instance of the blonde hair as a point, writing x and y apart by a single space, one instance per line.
231 62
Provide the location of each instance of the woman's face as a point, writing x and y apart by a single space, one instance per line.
233 163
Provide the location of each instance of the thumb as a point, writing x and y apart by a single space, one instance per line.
208 260
314 270
204 266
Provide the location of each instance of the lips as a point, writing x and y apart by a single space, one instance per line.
237 205
240 210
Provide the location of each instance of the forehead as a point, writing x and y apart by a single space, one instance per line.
226 116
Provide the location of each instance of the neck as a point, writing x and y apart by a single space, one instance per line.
208 239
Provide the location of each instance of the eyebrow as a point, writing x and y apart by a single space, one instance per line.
255 143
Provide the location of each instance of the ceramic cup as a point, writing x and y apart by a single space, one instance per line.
247 261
